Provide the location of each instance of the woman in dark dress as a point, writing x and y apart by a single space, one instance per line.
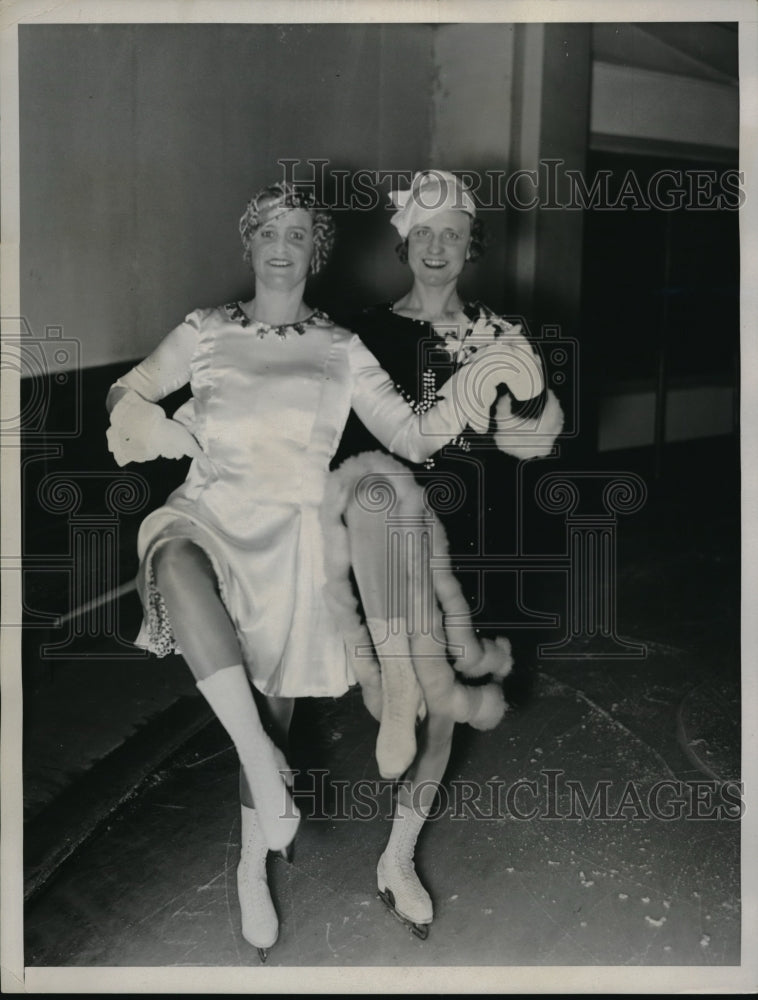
405 524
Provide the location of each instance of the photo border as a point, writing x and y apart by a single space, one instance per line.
500 979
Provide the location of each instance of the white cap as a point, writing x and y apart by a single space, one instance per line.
431 191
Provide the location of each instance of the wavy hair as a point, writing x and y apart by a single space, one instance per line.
288 196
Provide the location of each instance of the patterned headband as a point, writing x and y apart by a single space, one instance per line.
274 201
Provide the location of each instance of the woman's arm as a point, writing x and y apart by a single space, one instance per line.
165 370
464 400
140 430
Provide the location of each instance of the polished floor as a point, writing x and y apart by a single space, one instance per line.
157 886
521 871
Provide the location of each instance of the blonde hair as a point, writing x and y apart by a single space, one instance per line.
288 196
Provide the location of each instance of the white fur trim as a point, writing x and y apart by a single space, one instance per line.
339 592
528 437
496 659
491 707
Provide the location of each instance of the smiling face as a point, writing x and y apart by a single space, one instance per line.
437 247
282 247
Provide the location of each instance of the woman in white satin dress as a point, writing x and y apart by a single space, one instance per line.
232 567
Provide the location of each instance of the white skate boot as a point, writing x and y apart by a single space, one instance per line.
399 886
260 924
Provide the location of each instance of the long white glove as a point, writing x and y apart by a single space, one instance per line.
140 431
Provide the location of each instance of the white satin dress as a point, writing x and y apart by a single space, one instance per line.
268 408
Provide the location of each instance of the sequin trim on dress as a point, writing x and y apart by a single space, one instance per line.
428 399
160 635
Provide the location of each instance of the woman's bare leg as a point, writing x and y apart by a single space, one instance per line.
206 635
418 790
208 640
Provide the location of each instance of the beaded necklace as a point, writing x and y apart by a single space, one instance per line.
317 318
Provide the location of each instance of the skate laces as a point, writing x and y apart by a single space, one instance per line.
253 849
253 861
399 861
247 874
407 870
411 898
260 923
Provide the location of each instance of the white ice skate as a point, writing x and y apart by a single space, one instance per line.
260 924
399 886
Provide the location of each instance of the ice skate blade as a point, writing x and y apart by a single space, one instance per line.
288 852
388 898
262 949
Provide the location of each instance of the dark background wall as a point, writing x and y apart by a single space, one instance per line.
141 144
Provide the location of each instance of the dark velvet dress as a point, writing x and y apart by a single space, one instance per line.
470 484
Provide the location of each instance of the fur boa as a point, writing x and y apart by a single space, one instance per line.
340 597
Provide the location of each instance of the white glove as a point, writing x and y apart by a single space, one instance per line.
504 362
140 431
